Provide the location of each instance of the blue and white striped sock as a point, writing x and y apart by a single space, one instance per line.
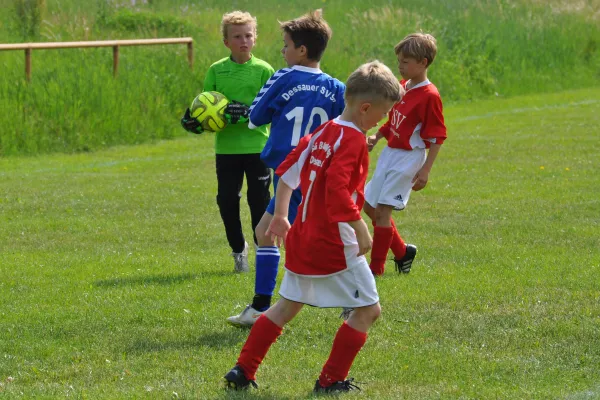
267 264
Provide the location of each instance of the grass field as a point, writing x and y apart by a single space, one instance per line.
116 277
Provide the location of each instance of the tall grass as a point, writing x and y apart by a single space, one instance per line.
486 48
29 14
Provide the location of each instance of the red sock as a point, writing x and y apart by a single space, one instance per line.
398 245
346 345
263 334
382 239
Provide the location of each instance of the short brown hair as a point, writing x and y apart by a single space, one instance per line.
309 30
237 18
418 46
375 82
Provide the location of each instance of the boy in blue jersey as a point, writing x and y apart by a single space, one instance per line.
295 101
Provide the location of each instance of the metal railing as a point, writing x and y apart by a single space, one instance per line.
115 44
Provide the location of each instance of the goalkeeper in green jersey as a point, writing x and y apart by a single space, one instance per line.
239 77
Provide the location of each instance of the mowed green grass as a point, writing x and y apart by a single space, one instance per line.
116 276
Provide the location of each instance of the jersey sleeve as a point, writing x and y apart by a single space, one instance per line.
433 129
262 108
340 102
290 169
210 80
338 197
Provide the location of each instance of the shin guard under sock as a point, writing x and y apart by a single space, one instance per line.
263 334
346 345
267 264
398 245
382 240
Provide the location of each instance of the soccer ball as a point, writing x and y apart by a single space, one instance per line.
208 108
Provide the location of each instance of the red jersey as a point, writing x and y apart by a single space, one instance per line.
330 166
416 120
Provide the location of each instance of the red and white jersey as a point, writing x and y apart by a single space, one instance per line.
330 166
416 120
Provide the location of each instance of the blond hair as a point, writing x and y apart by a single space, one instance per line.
418 46
373 82
237 18
311 31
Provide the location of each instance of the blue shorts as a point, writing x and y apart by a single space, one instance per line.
295 201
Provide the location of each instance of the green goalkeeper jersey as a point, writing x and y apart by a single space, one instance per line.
240 82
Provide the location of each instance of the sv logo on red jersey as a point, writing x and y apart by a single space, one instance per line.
397 118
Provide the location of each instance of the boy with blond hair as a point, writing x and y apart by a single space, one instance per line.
295 101
325 247
239 77
415 124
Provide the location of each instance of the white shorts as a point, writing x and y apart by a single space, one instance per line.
351 288
391 183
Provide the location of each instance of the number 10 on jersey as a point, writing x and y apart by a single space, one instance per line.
297 114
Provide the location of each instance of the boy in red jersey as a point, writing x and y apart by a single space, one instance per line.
415 124
325 263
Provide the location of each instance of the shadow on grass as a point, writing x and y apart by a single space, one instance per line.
222 273
258 394
227 338
146 280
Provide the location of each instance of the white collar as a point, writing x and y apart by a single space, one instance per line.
349 124
307 69
424 83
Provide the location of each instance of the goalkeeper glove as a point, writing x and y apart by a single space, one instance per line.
191 124
237 112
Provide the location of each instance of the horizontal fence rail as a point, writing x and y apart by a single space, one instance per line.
115 44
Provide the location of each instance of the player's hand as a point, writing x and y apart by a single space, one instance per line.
278 229
237 112
371 142
420 179
191 124
363 237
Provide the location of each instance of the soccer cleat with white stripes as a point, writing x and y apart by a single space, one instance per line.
246 318
404 264
338 387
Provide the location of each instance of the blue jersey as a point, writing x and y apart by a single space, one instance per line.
295 101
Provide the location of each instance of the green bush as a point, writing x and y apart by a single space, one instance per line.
147 23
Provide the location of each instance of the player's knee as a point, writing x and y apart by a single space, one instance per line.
371 314
228 199
366 316
375 312
260 188
259 198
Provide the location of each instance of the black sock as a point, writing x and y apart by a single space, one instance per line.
261 302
